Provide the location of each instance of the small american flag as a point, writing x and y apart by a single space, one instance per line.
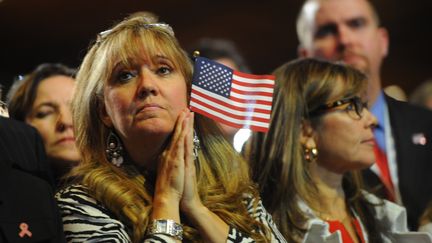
231 97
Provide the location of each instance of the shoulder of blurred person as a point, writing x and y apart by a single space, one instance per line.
402 106
411 126
28 209
410 119
422 95
22 147
27 206
396 92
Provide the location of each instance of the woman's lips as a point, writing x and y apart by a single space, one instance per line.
66 140
148 107
370 141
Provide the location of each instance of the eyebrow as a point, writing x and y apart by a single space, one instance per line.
121 64
133 62
358 18
332 24
164 58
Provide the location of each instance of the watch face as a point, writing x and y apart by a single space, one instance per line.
167 227
162 225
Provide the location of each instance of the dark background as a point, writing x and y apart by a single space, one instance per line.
37 31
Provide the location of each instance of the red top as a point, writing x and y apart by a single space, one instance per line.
346 238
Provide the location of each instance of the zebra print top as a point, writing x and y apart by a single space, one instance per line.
86 220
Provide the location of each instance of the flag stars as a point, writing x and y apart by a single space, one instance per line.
214 78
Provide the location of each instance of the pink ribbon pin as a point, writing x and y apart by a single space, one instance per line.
419 139
24 230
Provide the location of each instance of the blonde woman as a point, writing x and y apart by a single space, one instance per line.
151 170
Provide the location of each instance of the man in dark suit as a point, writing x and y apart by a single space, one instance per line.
349 31
28 212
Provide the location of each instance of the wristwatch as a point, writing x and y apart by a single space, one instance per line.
166 227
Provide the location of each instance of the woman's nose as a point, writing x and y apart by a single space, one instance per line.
371 120
64 120
147 84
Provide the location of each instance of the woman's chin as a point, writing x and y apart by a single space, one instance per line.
366 164
150 128
67 158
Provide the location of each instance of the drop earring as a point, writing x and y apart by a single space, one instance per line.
114 151
310 154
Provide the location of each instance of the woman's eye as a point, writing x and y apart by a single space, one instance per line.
43 114
124 76
350 107
164 70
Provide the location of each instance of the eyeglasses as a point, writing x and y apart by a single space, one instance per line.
165 27
355 107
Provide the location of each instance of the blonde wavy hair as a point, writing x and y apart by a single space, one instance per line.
222 175
276 157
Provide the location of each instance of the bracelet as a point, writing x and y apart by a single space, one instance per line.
166 227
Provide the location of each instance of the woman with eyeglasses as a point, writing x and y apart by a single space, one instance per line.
307 165
152 171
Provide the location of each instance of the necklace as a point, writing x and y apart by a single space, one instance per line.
329 217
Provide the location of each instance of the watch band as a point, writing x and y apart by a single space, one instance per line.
166 227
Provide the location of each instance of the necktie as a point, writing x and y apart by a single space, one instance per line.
381 161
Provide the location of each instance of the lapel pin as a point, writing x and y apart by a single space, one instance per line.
24 230
419 139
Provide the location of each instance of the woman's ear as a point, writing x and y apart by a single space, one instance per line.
307 132
103 114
